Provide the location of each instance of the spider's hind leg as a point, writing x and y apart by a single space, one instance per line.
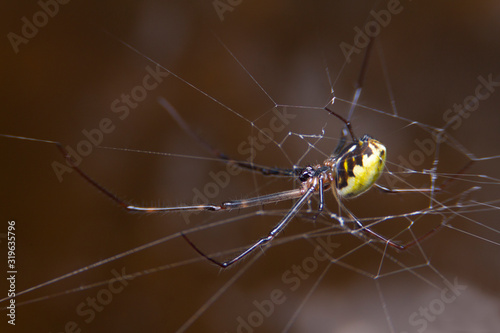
264 170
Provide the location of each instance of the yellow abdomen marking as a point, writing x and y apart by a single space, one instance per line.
359 166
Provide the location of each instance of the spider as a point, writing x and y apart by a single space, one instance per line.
351 170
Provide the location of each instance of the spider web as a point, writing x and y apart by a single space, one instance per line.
254 86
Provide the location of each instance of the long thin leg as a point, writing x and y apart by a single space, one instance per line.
361 78
264 170
321 199
321 204
386 240
321 196
227 205
277 229
341 144
384 189
357 93
403 247
441 188
345 121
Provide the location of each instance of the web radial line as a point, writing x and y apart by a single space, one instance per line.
475 236
384 307
404 268
94 265
411 270
178 77
461 148
158 153
381 263
105 282
246 70
306 298
28 139
486 158
407 120
140 273
219 292
444 279
376 248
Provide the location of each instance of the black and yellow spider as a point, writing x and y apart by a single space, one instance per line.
352 169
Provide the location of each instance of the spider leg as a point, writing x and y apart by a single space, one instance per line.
321 204
321 199
361 78
370 232
227 205
388 241
384 189
441 188
341 144
264 170
357 93
403 247
264 240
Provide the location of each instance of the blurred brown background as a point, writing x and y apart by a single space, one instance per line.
66 77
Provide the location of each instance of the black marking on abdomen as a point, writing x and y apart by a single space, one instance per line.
341 180
347 162
367 150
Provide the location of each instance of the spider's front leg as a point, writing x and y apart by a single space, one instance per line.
264 240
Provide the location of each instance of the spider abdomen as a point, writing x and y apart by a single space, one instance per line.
359 166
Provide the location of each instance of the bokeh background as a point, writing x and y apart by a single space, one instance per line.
66 77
